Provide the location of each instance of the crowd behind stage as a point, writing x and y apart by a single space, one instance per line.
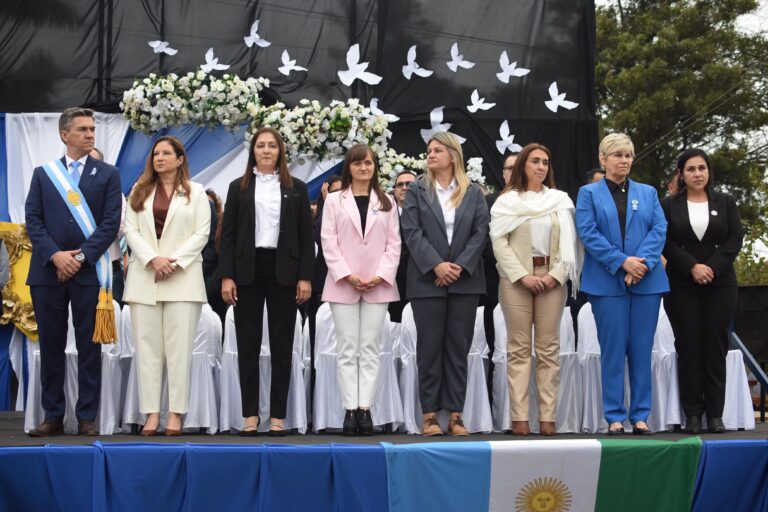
437 241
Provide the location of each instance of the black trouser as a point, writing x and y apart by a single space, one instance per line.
51 304
700 318
118 282
490 339
444 330
281 321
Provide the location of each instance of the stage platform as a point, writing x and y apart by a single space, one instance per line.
383 473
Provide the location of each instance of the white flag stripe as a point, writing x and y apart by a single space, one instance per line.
547 470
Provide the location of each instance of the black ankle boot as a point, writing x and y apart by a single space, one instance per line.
351 427
716 425
365 422
693 425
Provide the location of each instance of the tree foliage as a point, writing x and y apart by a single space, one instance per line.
680 74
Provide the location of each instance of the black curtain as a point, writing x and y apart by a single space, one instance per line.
56 53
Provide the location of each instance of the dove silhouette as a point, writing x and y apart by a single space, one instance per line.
357 69
212 63
457 60
375 110
412 67
508 70
162 47
289 64
478 103
437 125
254 38
557 99
507 141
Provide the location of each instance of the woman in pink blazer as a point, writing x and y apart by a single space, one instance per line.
361 243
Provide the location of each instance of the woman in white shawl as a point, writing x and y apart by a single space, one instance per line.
537 251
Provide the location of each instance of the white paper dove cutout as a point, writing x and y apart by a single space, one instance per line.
478 103
508 70
212 63
507 140
412 67
457 60
162 47
558 99
436 120
375 110
357 69
289 65
254 38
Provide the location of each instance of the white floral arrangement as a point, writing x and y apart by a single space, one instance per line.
475 170
314 132
391 163
159 101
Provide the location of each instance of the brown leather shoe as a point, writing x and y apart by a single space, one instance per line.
521 428
47 428
547 428
87 428
172 432
431 427
456 426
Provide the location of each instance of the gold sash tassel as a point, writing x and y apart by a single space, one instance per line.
104 330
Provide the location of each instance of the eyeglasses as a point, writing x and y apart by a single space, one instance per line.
402 184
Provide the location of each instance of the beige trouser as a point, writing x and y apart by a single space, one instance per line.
523 310
163 335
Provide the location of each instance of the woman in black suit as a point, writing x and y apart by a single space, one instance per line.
266 253
704 236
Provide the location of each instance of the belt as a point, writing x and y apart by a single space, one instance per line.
540 261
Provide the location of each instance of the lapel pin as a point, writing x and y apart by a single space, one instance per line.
714 213
93 172
634 204
180 194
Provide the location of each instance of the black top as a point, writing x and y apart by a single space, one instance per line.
619 194
362 206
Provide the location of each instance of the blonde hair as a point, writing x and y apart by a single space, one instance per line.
451 143
616 142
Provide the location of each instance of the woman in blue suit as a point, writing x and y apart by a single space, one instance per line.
623 229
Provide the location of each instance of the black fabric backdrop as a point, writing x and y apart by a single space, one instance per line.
58 53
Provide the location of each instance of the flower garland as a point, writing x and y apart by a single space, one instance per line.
310 130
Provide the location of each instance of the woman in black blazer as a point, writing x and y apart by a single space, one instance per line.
266 253
704 236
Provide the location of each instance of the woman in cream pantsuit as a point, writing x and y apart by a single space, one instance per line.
361 243
536 249
166 225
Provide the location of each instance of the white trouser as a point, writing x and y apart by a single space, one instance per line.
358 332
163 335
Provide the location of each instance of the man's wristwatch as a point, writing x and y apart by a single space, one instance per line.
80 257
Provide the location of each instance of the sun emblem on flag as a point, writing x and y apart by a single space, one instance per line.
545 494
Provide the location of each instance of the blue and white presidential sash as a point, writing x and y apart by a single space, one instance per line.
104 331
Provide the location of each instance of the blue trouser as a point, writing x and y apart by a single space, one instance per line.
626 325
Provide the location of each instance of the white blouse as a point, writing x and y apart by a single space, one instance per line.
698 213
541 228
449 211
266 196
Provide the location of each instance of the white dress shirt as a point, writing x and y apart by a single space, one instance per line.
541 228
449 211
81 168
698 213
266 196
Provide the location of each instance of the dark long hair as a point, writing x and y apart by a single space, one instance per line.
282 161
519 181
147 182
355 154
683 158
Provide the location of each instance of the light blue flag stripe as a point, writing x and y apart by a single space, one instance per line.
438 476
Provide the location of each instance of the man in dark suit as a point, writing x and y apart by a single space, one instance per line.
63 273
403 180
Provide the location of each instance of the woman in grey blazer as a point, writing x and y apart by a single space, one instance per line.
445 224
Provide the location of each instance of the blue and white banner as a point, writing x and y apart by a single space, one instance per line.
216 157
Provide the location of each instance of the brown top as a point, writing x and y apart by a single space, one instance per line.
160 209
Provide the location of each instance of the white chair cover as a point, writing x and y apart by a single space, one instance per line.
738 412
593 419
108 416
203 410
16 355
665 408
231 413
387 407
569 395
409 373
